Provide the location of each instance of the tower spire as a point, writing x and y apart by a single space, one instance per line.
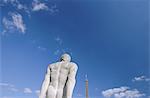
86 77
86 86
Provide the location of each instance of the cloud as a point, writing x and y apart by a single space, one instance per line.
14 3
13 23
24 8
10 1
27 91
17 5
37 5
122 92
6 84
110 92
18 22
15 20
8 25
53 9
141 78
8 87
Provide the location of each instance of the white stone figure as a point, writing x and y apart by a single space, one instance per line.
60 79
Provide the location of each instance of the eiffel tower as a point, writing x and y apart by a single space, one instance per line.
86 87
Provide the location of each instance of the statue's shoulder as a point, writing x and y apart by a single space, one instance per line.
53 64
73 64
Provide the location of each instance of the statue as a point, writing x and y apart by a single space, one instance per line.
60 79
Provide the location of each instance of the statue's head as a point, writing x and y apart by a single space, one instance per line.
65 57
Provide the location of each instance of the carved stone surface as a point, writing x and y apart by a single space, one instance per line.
60 79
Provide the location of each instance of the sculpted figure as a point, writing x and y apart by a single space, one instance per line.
60 79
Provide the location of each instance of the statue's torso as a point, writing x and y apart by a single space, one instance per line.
59 73
58 78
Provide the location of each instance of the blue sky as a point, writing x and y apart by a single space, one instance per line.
108 39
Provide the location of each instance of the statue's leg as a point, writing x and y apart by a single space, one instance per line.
51 92
59 93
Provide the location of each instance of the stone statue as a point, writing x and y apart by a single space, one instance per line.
60 79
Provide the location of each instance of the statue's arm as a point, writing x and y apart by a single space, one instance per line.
71 80
45 84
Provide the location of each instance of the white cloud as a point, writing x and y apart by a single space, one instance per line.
53 9
110 92
122 92
27 90
8 24
18 22
14 3
141 78
37 5
8 87
13 23
24 8
17 5
10 1
21 6
6 84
